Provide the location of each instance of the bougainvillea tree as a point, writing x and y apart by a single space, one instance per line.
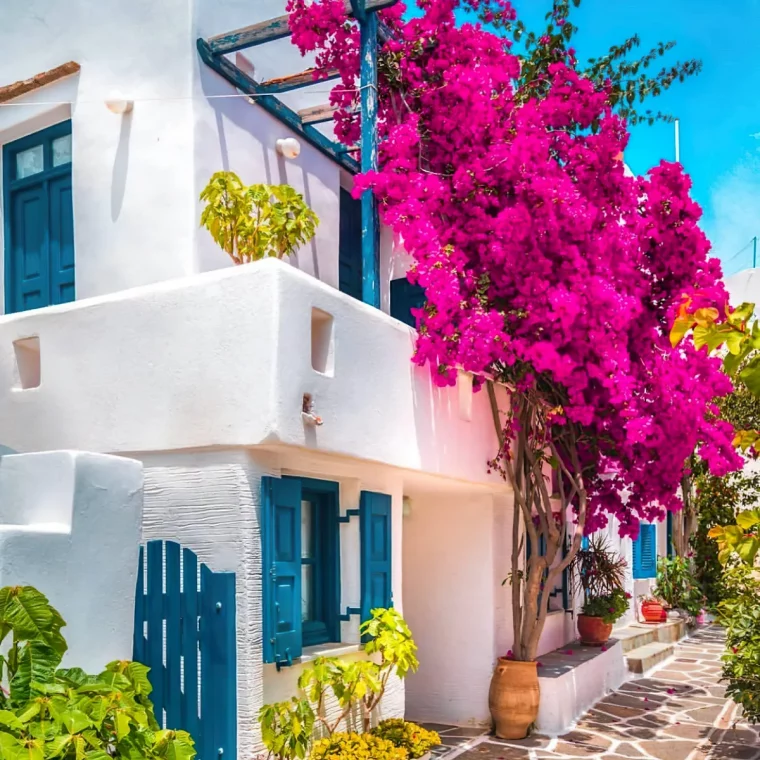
547 269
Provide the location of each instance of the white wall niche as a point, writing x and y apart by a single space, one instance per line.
28 365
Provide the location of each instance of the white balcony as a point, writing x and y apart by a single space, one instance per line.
224 359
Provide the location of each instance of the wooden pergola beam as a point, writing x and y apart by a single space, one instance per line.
272 29
296 81
317 114
239 79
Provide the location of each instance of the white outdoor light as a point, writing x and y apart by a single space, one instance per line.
118 104
288 147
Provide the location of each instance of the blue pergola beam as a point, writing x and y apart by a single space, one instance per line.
296 81
239 79
272 29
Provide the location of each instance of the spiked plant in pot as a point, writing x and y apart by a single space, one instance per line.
599 575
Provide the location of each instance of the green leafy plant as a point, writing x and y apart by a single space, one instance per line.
739 613
65 714
677 586
416 740
631 81
253 222
609 607
356 747
599 575
718 500
742 539
286 728
361 684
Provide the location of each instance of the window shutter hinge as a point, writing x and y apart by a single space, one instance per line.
349 514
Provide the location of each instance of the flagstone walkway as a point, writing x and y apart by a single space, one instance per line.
677 712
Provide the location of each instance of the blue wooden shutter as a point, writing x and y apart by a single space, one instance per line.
281 568
375 516
404 298
671 549
28 274
350 246
645 552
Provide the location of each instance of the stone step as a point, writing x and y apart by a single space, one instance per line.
644 658
636 635
633 637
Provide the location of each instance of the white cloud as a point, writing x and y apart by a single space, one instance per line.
735 218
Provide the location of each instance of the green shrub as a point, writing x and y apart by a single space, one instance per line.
740 614
286 728
362 683
610 607
718 500
66 714
356 747
677 586
413 738
251 223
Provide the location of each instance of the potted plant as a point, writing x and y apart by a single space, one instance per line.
257 221
678 587
653 609
599 575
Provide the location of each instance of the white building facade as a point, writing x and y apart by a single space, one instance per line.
128 332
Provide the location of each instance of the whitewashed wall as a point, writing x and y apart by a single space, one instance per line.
224 359
209 502
70 527
137 177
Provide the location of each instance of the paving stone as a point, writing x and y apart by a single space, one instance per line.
677 712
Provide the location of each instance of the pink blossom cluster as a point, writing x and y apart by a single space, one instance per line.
544 263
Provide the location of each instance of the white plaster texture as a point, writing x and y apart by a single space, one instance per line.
566 697
137 177
209 502
224 359
70 526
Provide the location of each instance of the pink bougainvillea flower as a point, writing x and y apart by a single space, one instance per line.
544 262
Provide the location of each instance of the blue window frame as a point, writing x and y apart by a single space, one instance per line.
301 561
645 553
350 246
404 298
38 220
320 567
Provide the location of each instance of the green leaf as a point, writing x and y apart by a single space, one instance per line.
36 663
32 617
750 376
748 519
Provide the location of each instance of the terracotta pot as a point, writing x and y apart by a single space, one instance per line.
513 698
593 631
653 612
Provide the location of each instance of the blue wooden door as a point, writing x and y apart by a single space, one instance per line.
39 220
186 635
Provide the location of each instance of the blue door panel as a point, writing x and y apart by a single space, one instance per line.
39 226
61 240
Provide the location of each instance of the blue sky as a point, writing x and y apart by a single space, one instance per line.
719 110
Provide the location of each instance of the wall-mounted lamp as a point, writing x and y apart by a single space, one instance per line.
406 506
118 104
288 147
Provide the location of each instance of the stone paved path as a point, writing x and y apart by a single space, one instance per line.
677 712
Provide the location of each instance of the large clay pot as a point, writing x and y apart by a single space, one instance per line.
593 631
513 698
653 612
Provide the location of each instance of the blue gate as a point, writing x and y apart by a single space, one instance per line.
185 634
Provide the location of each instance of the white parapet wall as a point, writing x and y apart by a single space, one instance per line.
225 359
70 527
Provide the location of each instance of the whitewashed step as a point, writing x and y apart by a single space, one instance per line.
645 657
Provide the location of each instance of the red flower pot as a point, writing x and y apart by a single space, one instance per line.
653 612
593 631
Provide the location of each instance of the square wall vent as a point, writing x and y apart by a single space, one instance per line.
28 371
